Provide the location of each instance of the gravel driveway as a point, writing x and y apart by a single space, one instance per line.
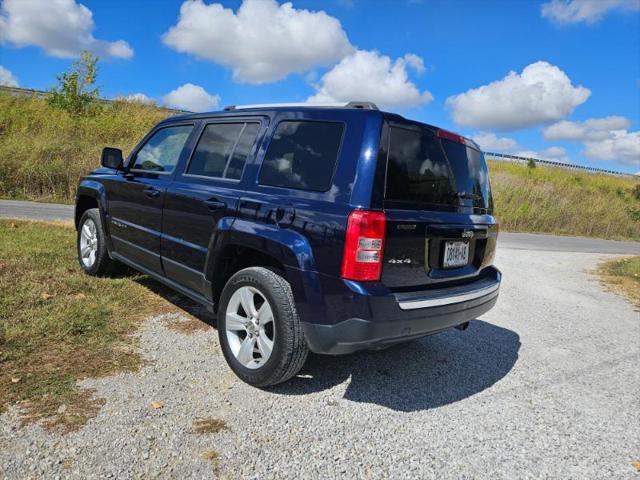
546 385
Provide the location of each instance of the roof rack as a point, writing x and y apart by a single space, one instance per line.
353 104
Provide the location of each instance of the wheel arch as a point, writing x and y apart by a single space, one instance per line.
248 244
92 194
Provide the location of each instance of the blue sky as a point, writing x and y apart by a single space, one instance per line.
574 94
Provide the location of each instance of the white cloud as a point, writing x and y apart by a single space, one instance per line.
63 28
191 97
588 11
490 142
591 129
554 154
136 98
621 146
542 93
262 42
7 78
369 76
605 138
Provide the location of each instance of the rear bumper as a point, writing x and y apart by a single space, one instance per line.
398 317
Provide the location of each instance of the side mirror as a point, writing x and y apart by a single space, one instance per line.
112 158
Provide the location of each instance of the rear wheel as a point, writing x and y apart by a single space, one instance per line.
92 248
259 328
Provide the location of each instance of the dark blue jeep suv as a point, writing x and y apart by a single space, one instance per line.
330 229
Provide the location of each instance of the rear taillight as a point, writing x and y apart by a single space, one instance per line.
447 135
364 246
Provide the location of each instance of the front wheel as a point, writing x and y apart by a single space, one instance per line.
91 243
259 328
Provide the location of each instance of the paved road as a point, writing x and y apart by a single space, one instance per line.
35 211
523 241
555 243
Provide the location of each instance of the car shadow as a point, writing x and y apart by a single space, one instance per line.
419 375
183 302
426 373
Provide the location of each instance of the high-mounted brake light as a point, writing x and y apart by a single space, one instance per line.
447 135
364 246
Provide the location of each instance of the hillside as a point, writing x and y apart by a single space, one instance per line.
567 202
43 152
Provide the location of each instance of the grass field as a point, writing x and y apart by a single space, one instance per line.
58 325
623 276
44 151
566 202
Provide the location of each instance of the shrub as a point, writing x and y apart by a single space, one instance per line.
75 92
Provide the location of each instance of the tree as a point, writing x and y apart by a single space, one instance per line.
75 91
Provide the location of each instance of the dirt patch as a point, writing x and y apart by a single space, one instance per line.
209 425
187 326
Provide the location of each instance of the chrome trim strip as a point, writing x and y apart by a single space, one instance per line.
115 220
451 299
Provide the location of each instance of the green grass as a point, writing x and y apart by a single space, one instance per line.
58 325
566 202
623 276
44 151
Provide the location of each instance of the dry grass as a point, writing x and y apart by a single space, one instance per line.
44 150
58 325
210 455
566 202
209 425
623 277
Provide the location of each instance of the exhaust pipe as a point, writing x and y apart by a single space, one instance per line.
462 326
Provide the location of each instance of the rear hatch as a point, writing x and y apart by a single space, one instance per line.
437 200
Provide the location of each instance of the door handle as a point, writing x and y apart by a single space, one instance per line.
151 192
215 204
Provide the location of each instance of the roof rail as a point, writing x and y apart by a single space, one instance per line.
363 105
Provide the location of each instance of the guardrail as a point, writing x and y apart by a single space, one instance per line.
570 166
30 92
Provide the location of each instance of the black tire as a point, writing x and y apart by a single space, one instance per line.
102 264
289 345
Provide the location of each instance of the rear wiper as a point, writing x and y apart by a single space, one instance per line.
471 196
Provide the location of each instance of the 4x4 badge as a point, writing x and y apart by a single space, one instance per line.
467 234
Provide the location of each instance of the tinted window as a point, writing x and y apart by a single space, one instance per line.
417 170
302 155
423 168
242 151
162 151
471 173
222 150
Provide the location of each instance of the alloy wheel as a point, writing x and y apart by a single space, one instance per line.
249 327
88 243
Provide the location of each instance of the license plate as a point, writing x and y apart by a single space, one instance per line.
456 254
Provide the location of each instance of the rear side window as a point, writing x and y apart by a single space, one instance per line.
302 155
162 151
223 149
417 170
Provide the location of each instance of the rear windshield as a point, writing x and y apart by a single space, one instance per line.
424 170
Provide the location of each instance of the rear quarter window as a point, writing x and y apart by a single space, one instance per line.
302 155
